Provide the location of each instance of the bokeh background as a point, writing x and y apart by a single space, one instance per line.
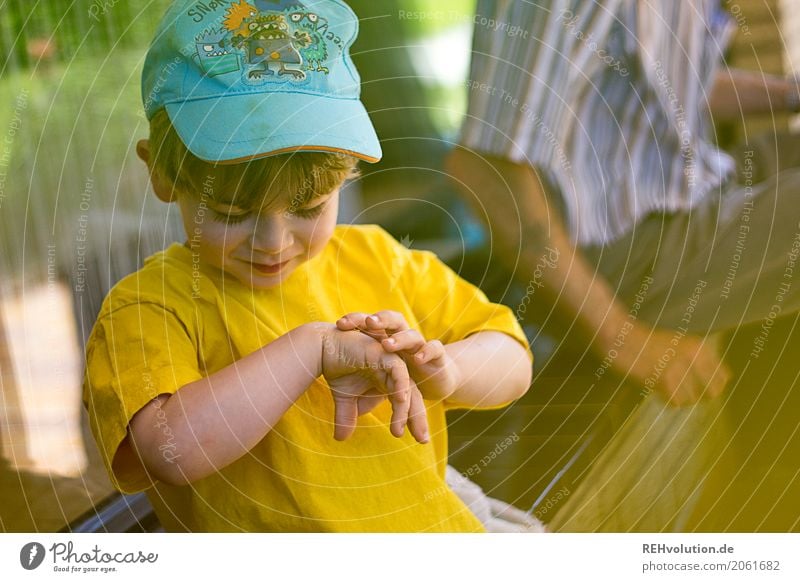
77 213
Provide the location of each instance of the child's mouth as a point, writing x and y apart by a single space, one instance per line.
268 269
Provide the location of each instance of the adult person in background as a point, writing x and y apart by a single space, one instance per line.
588 138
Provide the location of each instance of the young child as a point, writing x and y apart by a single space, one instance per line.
260 377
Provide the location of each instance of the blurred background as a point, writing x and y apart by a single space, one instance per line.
77 214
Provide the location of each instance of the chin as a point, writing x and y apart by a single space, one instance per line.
266 282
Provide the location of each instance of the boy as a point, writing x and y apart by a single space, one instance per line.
215 379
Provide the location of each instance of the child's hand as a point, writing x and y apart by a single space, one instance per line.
430 366
361 374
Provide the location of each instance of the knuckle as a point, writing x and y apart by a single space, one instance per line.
396 364
394 317
436 346
373 351
412 334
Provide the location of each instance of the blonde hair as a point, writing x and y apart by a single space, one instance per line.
264 183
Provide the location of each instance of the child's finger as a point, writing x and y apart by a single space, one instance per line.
409 340
398 385
369 400
432 350
390 321
357 321
345 416
418 417
352 321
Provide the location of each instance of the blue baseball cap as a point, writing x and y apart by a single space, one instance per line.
246 79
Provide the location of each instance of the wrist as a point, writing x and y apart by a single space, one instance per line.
316 334
446 382
617 323
442 385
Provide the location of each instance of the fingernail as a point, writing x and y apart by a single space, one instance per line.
420 355
390 341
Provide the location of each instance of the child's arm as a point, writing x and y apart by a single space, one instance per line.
487 368
214 421
494 369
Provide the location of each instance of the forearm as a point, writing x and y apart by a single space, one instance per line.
214 421
526 231
493 369
738 92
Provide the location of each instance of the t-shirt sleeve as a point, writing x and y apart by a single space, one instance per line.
449 308
135 353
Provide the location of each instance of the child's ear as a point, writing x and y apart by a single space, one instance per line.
163 188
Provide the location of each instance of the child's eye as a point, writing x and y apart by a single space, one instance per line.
229 218
309 212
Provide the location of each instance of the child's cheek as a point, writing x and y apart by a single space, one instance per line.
217 240
322 233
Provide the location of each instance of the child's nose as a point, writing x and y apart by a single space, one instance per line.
272 234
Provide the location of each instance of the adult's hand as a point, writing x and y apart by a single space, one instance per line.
682 369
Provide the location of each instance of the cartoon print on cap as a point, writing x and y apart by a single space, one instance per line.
238 16
316 53
213 54
277 39
271 42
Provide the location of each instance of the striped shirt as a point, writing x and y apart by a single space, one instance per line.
607 98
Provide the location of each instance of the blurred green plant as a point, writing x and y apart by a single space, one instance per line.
439 16
56 30
70 113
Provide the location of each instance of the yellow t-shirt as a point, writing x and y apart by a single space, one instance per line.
175 321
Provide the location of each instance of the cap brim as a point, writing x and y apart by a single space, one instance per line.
308 123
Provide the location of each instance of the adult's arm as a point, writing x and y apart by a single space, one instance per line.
737 92
524 224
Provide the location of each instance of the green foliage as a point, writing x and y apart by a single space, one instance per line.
70 114
436 17
72 124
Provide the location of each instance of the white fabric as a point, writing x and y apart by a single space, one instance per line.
495 515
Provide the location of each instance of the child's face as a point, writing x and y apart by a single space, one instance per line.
259 249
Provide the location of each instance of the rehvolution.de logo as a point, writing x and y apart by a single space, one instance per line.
31 555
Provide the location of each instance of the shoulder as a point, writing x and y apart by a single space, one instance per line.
370 249
164 279
351 233
366 240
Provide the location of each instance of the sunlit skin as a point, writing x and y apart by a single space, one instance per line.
259 249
